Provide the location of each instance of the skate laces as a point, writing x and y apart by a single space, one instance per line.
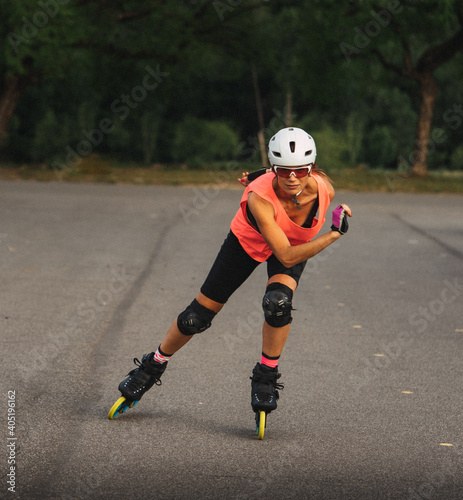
136 382
270 381
267 378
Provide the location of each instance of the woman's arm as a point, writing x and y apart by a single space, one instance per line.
247 177
287 254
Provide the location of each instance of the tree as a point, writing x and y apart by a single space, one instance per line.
35 38
413 40
42 38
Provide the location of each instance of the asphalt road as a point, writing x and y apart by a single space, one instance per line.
92 276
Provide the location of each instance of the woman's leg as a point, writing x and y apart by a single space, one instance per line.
175 339
274 338
230 270
277 309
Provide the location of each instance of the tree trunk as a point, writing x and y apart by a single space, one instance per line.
11 92
428 92
289 109
260 116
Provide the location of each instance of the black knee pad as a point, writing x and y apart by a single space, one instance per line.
277 305
195 319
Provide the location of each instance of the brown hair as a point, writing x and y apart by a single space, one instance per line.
320 171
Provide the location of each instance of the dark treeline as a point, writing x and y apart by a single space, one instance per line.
195 82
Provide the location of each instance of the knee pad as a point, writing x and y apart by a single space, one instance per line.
277 305
195 319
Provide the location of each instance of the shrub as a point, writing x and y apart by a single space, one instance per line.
334 151
198 142
50 138
456 159
380 148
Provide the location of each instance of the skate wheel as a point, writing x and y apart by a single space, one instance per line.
260 424
119 407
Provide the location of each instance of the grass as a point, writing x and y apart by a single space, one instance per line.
103 170
393 182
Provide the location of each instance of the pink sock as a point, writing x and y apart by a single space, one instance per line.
269 361
161 357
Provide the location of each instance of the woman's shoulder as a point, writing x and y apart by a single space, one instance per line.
263 185
323 178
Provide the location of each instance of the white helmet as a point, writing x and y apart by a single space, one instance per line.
291 147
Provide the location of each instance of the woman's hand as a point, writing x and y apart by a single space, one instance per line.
249 177
339 218
244 179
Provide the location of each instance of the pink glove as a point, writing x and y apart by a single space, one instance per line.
340 223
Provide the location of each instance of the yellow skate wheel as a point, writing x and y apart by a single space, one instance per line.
118 407
261 425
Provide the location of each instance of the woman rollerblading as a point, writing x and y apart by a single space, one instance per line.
278 222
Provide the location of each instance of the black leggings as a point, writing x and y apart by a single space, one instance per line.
233 266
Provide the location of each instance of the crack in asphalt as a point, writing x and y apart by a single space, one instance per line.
451 250
63 452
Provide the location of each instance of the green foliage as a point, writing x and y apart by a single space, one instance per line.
36 36
199 142
149 131
48 138
332 149
339 146
75 60
380 147
456 160
120 139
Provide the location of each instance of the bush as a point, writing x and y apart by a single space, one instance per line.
333 149
51 137
456 159
380 148
198 142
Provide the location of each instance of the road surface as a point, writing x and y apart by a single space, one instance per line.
93 275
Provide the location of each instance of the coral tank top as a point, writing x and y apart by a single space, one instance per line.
252 241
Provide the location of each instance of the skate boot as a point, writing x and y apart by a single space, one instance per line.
137 383
142 378
264 388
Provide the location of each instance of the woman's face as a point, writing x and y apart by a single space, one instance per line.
292 184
